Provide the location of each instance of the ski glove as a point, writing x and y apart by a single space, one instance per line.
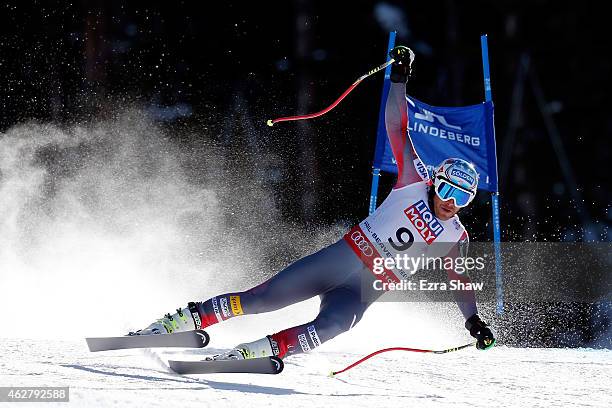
481 332
402 67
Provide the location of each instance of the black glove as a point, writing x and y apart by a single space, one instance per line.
402 67
479 330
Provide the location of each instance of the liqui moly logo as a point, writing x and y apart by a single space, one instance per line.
424 221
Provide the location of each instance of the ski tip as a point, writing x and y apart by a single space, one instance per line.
270 122
90 345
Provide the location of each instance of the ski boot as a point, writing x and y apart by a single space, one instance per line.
183 320
244 351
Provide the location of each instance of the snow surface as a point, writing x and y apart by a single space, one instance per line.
470 378
103 234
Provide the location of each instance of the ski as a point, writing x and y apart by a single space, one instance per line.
264 365
189 339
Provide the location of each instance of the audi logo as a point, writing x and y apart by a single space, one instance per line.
361 243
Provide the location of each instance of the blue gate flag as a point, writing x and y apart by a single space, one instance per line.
441 132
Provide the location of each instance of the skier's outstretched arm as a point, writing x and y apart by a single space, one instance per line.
466 299
396 120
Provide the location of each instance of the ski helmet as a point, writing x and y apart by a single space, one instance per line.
456 179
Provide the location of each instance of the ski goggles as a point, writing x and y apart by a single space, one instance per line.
449 191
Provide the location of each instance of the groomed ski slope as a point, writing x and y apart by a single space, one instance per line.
501 377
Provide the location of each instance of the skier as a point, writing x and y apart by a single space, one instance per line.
404 224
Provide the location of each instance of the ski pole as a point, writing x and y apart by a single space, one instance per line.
333 373
271 122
